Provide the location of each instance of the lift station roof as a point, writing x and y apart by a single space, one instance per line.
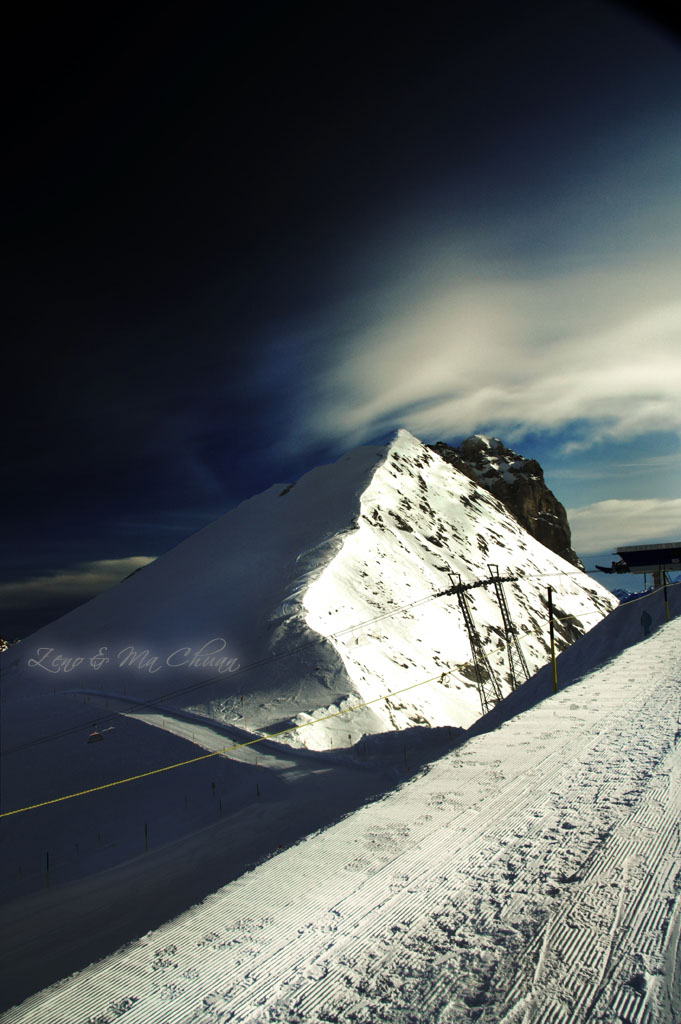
652 557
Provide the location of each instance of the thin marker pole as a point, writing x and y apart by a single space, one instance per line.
554 670
666 600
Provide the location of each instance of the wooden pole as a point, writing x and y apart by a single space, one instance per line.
554 671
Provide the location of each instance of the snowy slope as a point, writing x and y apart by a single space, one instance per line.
301 587
220 586
325 596
322 596
532 875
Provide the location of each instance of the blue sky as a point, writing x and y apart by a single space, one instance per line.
244 244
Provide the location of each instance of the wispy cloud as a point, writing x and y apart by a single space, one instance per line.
77 584
552 322
610 469
601 349
605 525
168 522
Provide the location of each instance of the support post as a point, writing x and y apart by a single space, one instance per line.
666 599
554 671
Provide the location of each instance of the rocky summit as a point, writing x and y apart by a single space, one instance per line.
518 483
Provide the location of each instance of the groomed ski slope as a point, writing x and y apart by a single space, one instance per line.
532 875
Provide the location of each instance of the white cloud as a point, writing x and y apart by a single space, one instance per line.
599 348
605 525
78 584
617 471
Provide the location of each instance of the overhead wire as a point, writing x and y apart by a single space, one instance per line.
217 753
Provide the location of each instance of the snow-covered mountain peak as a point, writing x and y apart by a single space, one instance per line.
315 615
482 441
330 593
422 520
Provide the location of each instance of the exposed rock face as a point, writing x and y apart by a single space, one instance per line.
519 483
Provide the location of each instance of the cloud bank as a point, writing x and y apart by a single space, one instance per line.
73 586
605 525
514 355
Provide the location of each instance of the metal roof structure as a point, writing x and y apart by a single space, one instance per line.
651 557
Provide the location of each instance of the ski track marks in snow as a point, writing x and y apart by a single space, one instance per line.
533 876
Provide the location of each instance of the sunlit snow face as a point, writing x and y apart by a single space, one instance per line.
424 526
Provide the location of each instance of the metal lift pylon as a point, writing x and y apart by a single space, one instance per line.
516 658
488 686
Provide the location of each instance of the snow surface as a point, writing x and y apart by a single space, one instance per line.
324 595
420 519
533 874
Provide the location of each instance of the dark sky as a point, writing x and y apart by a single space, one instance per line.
190 185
